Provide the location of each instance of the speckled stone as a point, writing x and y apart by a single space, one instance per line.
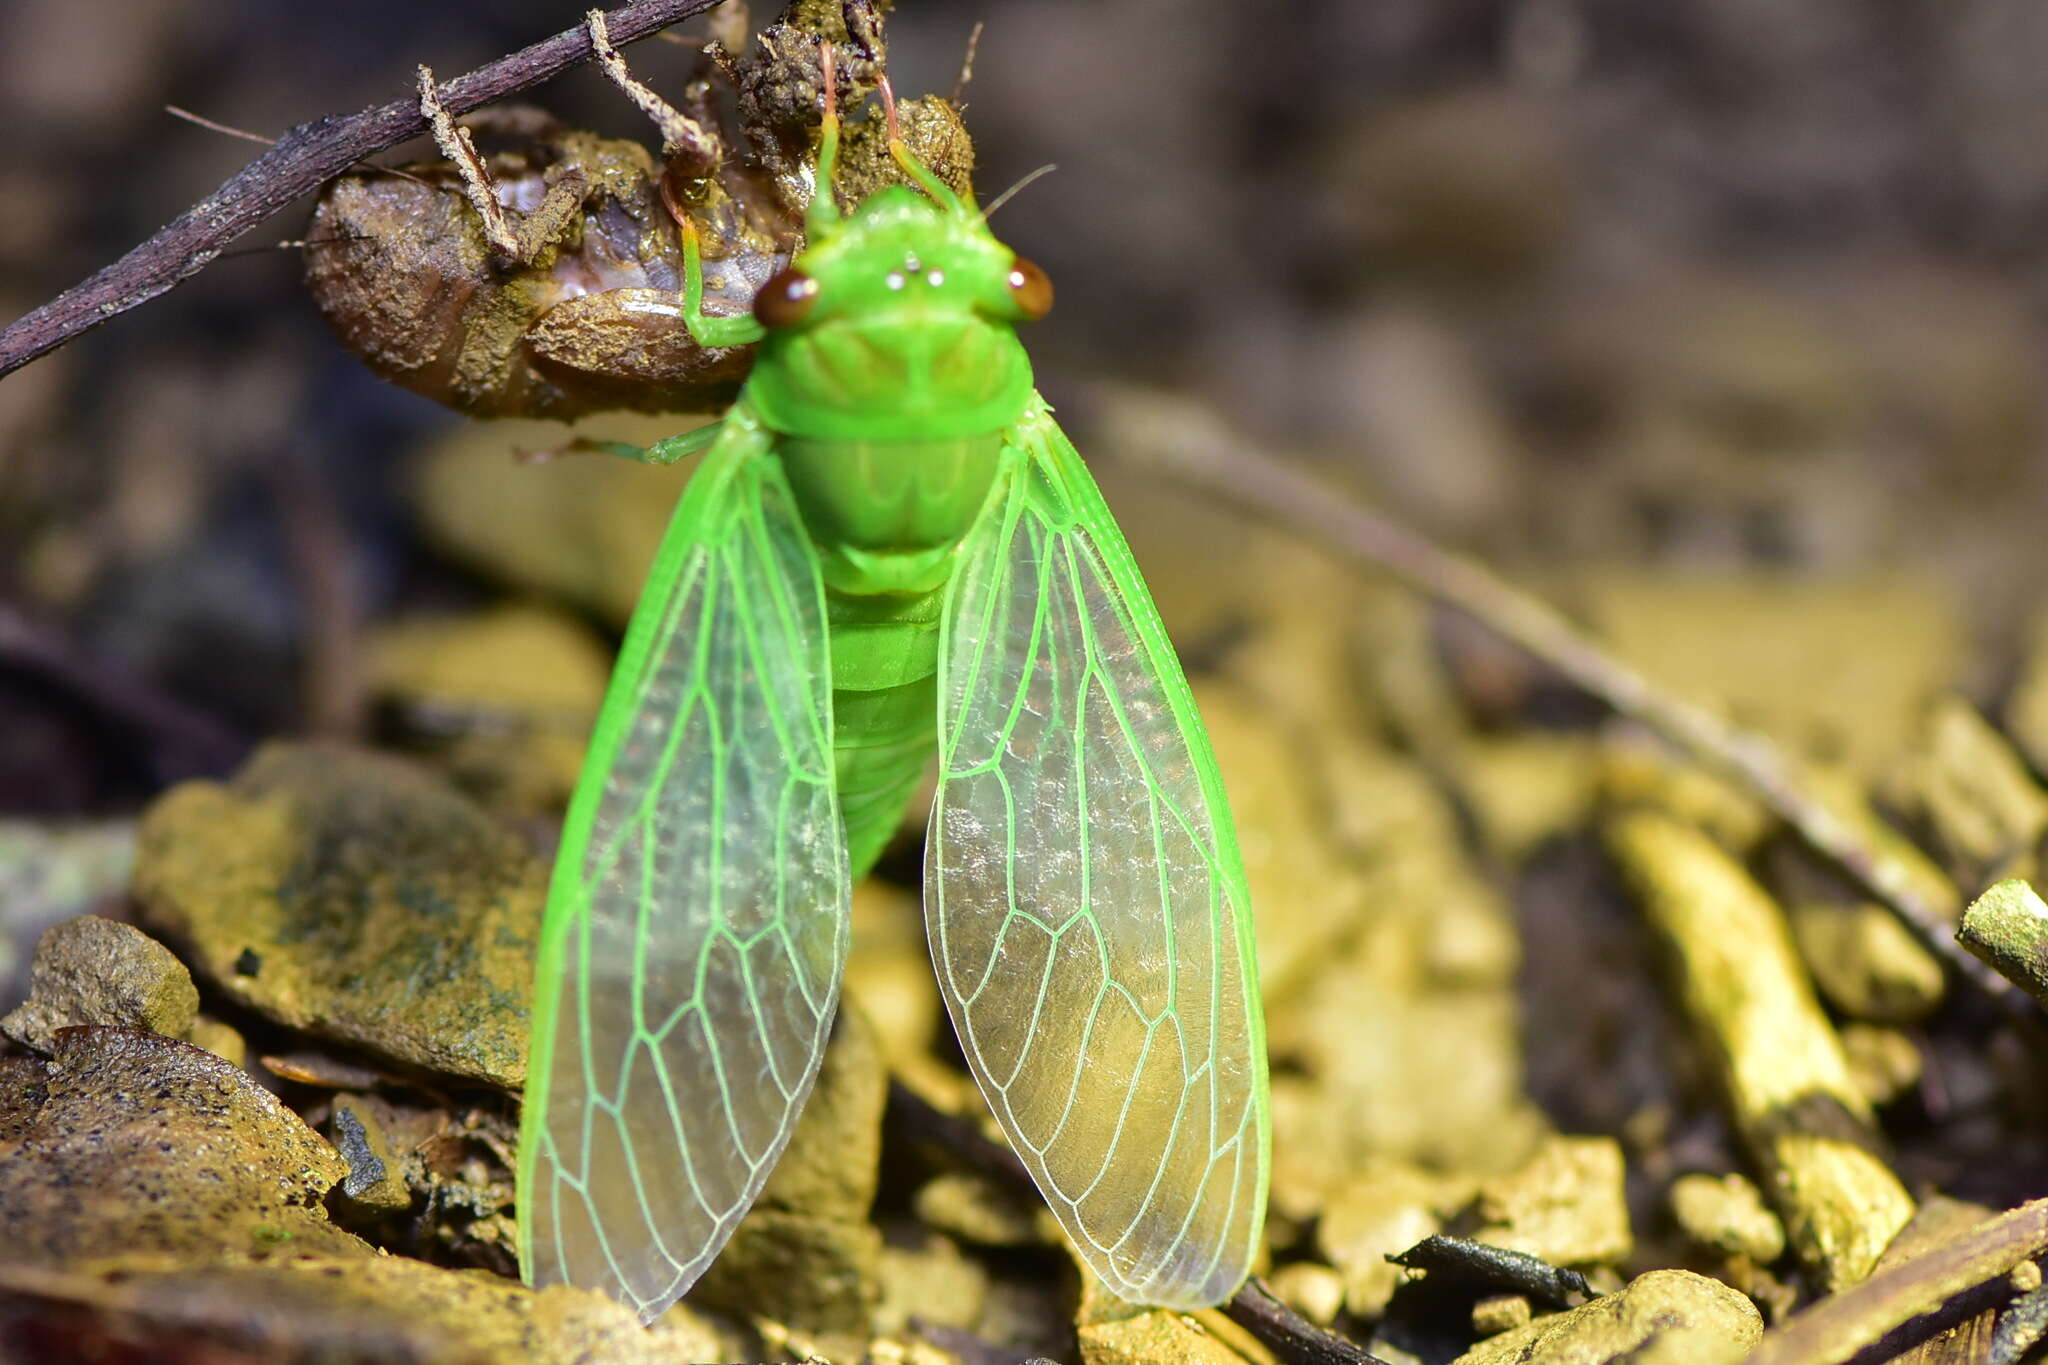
356 897
91 970
125 1141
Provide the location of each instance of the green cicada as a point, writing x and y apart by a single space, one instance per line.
891 548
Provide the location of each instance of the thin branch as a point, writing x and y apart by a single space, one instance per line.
1842 1326
333 688
1199 453
185 742
924 1121
1501 1270
300 162
1287 1334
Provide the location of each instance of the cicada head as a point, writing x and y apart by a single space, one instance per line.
899 319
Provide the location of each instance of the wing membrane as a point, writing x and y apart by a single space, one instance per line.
697 921
1084 895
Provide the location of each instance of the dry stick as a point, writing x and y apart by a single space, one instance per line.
202 744
1842 1325
1287 1334
332 687
1241 476
301 161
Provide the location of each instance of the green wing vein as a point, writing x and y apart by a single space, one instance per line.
1085 898
696 926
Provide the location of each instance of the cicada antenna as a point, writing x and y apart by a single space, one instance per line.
294 244
1011 193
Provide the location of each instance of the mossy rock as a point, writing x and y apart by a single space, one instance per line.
1665 1316
348 1311
90 970
356 897
126 1143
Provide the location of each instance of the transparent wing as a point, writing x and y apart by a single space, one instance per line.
1084 895
697 922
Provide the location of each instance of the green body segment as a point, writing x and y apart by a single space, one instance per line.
885 664
887 518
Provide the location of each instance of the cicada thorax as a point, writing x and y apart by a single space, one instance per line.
591 318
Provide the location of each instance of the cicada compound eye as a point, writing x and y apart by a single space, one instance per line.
786 299
1030 288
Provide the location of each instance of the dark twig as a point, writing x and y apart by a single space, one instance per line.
924 1121
1292 1338
1497 1269
316 540
1842 1325
1196 451
187 742
300 162
1287 1334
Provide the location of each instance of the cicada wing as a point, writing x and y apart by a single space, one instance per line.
697 922
1085 898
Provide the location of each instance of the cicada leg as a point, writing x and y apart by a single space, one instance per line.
520 243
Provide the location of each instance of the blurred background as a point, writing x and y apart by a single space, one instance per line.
1717 322
1711 281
